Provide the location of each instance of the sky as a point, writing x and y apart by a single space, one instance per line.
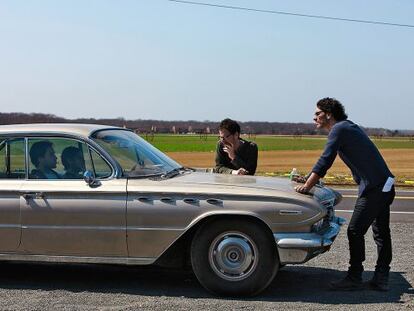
156 59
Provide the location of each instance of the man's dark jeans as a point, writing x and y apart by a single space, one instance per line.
371 208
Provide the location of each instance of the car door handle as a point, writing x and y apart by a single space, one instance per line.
33 195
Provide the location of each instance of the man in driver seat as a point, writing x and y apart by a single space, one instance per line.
43 156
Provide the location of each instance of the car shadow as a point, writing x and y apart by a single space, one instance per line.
292 283
311 284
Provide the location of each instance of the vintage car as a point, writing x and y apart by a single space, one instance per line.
82 193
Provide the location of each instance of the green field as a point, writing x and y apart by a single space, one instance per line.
197 143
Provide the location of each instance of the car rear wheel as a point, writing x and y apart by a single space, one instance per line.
234 257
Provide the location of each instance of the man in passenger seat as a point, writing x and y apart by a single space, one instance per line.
72 160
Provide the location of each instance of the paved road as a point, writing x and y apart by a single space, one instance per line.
305 287
25 286
402 209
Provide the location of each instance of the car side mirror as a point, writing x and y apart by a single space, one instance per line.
90 179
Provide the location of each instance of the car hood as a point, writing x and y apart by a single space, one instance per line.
238 183
223 184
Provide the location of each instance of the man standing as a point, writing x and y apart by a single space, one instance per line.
376 191
233 154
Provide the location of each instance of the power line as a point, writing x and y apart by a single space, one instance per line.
293 14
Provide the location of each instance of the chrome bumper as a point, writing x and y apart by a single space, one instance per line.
295 248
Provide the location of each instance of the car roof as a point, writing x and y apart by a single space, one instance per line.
78 129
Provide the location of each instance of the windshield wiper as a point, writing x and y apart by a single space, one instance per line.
144 176
176 171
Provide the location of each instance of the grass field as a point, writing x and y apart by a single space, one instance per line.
197 143
279 154
401 163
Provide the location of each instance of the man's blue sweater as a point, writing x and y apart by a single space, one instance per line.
358 152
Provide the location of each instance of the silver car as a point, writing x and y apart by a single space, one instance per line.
99 194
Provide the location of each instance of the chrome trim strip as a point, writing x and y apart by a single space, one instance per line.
289 212
64 227
98 228
308 240
26 158
297 248
130 228
16 192
87 193
79 259
298 240
12 226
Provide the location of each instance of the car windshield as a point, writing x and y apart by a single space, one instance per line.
137 157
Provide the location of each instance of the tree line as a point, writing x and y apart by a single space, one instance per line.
190 126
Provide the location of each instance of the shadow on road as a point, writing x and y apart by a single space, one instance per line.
311 284
293 283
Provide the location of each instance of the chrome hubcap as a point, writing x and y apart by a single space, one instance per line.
233 256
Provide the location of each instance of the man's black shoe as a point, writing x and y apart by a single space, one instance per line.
347 284
378 282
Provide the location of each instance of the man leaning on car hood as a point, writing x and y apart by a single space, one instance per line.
234 155
376 191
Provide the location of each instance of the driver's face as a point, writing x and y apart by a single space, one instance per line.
49 160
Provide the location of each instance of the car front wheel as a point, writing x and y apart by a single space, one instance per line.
234 257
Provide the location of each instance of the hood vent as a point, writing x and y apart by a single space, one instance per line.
191 200
215 201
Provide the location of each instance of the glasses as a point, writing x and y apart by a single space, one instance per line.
317 113
224 137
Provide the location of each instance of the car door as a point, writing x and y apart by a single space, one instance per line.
63 215
12 172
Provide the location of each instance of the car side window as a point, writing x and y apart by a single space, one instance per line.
57 158
12 159
101 168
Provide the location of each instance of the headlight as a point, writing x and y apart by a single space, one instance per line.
328 203
323 223
317 226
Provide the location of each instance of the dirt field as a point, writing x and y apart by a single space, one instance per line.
400 161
